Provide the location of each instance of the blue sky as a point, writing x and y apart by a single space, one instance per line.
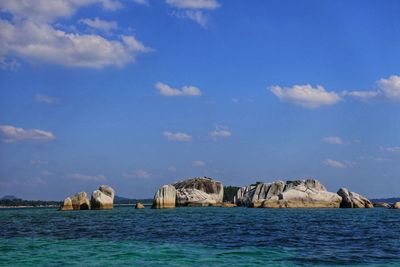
136 94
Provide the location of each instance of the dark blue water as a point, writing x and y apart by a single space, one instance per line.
200 237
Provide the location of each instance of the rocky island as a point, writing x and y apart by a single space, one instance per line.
205 191
308 193
102 198
199 191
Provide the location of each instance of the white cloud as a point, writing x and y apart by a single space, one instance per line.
98 24
181 137
141 174
49 10
141 2
31 183
220 132
167 90
46 99
334 140
193 9
31 36
390 87
363 95
336 164
394 149
194 4
305 95
87 178
198 16
198 163
42 43
13 134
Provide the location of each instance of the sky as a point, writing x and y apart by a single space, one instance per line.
140 93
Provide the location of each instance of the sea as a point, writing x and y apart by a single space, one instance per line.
190 236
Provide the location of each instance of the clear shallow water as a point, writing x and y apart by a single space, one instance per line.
200 237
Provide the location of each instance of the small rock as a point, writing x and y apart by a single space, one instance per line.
139 205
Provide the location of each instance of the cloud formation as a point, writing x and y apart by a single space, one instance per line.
333 140
50 10
193 9
166 90
363 95
178 136
390 87
306 95
194 4
336 164
87 178
220 132
30 35
198 163
46 99
99 24
393 149
13 134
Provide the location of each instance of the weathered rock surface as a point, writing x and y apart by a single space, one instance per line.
228 205
103 198
396 205
291 194
353 200
139 205
381 205
79 201
200 191
165 197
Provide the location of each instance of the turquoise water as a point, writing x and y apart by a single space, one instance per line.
200 237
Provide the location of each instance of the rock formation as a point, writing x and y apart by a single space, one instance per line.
103 198
353 200
79 201
228 205
165 197
200 191
291 194
139 205
396 205
381 205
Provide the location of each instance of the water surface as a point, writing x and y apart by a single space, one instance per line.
200 237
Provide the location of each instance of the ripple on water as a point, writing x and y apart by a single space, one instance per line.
200 236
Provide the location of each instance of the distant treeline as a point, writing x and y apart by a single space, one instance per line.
32 203
230 193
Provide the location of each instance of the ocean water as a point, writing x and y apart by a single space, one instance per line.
200 237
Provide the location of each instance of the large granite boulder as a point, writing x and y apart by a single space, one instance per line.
165 197
79 201
103 198
308 193
353 200
200 191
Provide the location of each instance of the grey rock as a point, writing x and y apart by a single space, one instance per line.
199 191
165 197
353 200
79 201
308 193
103 198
